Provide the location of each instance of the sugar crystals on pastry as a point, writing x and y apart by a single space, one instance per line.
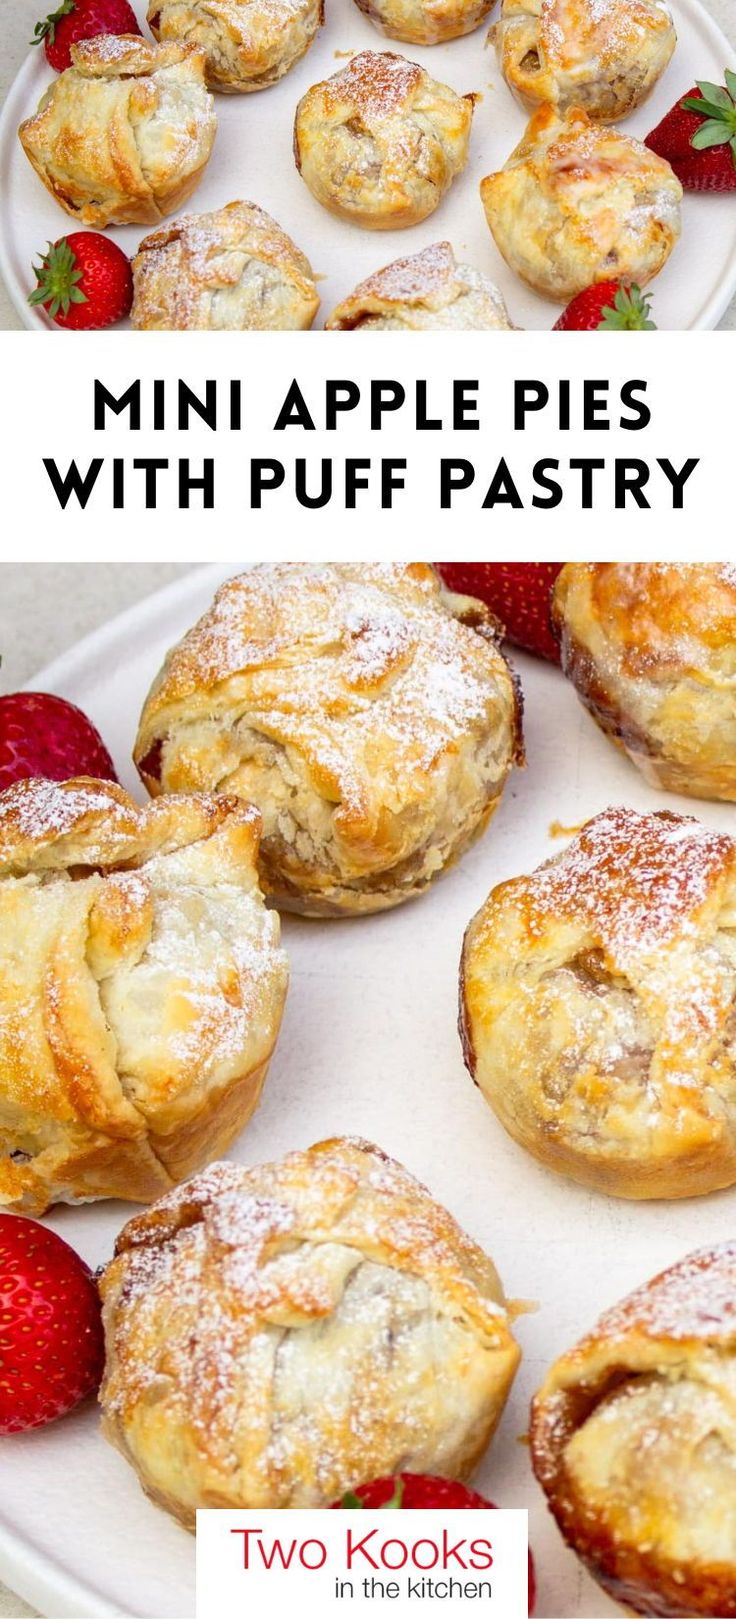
577 204
231 270
651 650
633 1439
250 44
380 142
598 1007
277 1335
367 713
604 57
427 292
141 989
124 134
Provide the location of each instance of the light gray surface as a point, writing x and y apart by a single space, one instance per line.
44 610
18 21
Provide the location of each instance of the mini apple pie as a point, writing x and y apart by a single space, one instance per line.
232 270
250 44
425 293
367 713
633 1439
141 989
605 58
577 204
124 134
425 22
651 650
277 1335
598 1007
381 142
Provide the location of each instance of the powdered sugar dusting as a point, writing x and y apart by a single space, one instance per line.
694 1299
377 83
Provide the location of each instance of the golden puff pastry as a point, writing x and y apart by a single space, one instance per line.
250 44
634 1441
231 270
276 1335
602 55
651 650
425 293
577 204
123 135
141 989
598 1007
381 142
425 22
372 727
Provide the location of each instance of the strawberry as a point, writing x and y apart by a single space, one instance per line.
519 593
51 1342
84 282
41 735
609 307
81 19
417 1490
698 137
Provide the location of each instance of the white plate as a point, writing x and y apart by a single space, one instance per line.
369 1046
253 159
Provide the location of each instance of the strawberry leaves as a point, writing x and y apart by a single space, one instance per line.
48 26
350 1499
629 312
57 279
716 105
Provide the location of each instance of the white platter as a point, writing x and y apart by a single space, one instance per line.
253 159
369 1046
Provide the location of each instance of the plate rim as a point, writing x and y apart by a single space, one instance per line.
34 320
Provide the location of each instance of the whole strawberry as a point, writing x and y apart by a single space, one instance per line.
84 282
41 735
81 19
519 593
698 137
417 1490
51 1342
608 307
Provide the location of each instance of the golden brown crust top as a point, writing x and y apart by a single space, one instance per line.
112 56
378 84
664 617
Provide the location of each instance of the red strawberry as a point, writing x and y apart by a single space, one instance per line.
84 282
518 593
41 735
417 1490
698 137
608 307
81 19
51 1343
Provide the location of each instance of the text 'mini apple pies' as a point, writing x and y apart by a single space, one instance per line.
276 1336
365 711
124 134
232 270
650 648
602 55
598 1007
141 989
380 142
428 292
633 1438
578 203
249 44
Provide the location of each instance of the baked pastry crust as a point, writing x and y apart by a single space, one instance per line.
425 22
123 135
276 1335
231 270
651 650
577 204
250 44
598 1012
141 989
579 53
372 727
634 1441
380 142
427 292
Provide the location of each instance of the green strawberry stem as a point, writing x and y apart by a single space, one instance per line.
629 312
48 26
716 105
57 276
352 1500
